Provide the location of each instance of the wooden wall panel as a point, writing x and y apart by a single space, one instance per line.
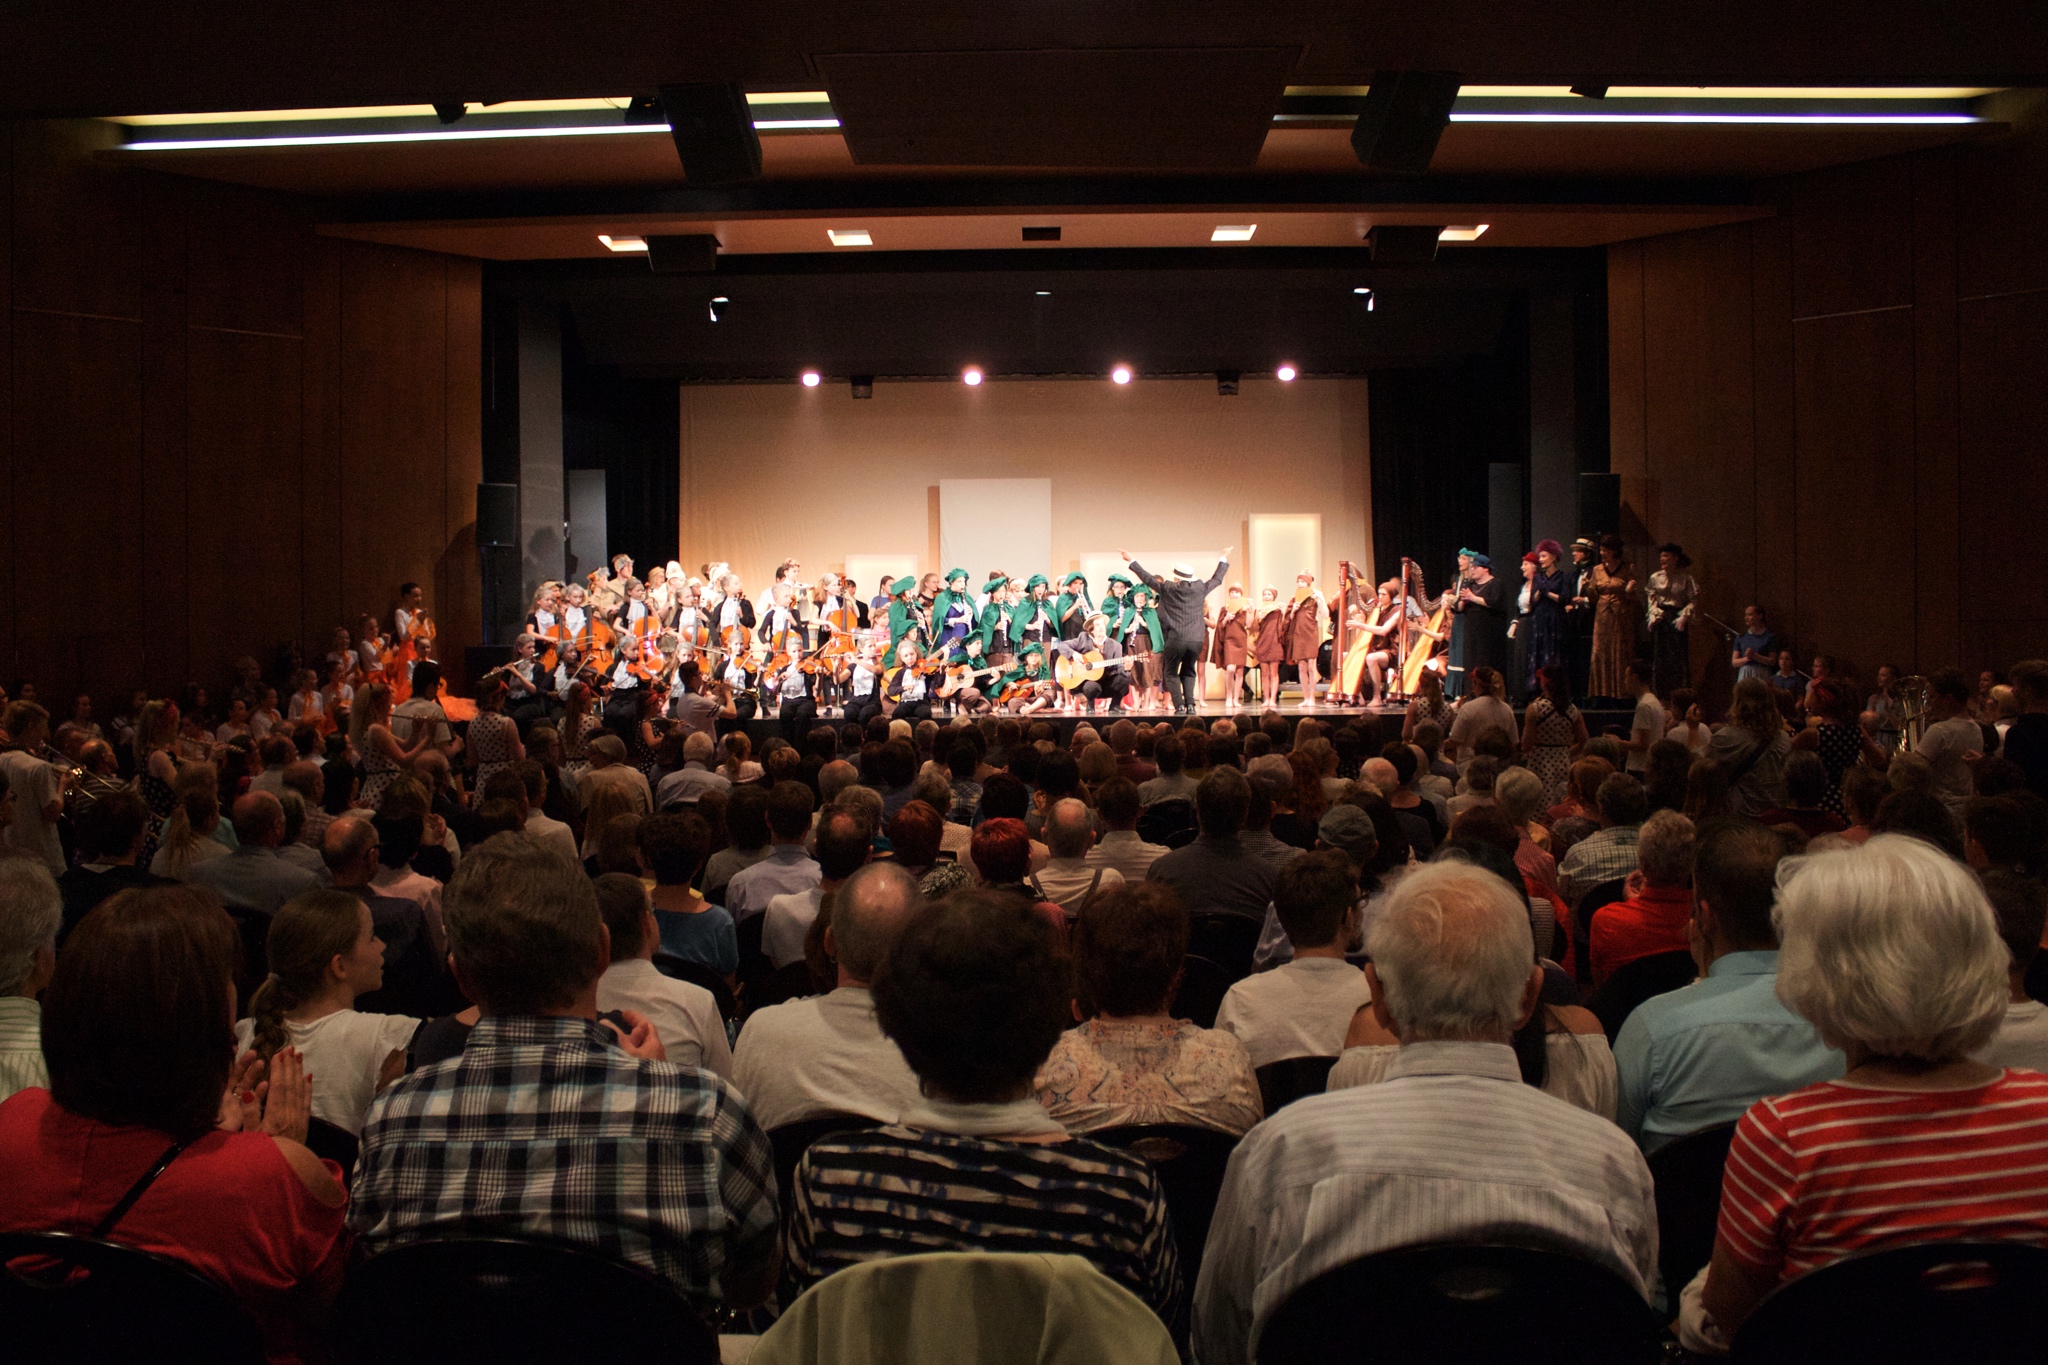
245 483
1628 445
168 591
2003 350
1856 496
460 594
1852 238
1937 543
1776 514
77 234
393 422
77 488
320 601
2002 216
9 665
245 270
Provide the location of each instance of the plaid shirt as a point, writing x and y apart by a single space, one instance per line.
543 1127
1603 856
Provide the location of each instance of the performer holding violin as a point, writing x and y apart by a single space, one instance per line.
905 691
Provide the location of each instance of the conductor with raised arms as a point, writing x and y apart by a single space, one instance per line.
1183 618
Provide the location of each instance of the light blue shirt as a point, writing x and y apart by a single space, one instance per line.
786 869
1697 1057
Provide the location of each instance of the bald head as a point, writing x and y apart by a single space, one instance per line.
836 777
1068 832
1380 774
868 911
699 748
349 848
259 820
305 779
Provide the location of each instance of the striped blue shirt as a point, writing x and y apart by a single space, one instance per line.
1451 1147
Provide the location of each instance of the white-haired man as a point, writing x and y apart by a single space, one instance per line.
1452 1147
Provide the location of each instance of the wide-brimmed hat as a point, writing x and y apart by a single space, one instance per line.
1185 571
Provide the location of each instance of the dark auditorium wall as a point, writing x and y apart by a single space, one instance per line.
1842 411
218 431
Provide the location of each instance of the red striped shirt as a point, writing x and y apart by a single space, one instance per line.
1833 1169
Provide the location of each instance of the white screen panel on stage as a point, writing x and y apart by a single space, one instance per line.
1282 545
872 574
995 524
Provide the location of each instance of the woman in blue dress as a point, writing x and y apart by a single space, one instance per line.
1547 597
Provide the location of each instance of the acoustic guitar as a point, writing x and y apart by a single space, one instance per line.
1070 672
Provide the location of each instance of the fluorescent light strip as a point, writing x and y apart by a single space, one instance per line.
1866 119
230 144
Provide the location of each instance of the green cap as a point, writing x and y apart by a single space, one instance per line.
1033 648
1036 580
952 574
1119 578
994 581
902 585
1080 578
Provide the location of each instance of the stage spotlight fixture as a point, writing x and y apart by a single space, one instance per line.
810 379
1226 383
1285 374
971 376
1045 293
1121 374
718 308
863 386
450 111
1365 294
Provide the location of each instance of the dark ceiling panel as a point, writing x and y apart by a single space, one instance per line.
1143 108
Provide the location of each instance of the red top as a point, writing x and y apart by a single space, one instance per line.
1654 922
230 1205
1834 1169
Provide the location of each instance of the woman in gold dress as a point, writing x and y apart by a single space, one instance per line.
1613 589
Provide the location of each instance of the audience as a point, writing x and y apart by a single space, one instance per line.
1751 750
1068 879
673 846
1172 784
1893 954
844 842
255 878
825 1054
138 1034
111 837
1130 1061
2020 904
746 829
1217 873
1303 1007
31 913
1657 915
537 787
324 953
1609 853
787 868
1120 848
1452 1146
1001 854
1697 1058
975 992
542 1092
684 1014
687 784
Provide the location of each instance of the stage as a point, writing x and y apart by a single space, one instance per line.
1598 721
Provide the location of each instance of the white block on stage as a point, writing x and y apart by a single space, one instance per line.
872 574
995 524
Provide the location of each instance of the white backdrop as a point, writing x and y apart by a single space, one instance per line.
995 524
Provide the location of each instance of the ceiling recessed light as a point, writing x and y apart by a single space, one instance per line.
1045 293
1365 294
1285 374
1240 233
622 243
718 307
1121 374
1469 233
849 236
971 375
810 379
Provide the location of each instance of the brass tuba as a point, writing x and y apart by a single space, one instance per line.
1912 695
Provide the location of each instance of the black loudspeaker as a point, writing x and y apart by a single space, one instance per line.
497 514
1405 113
1399 244
1599 505
714 133
691 254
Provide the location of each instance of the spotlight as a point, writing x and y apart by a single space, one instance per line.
1285 374
863 386
971 376
718 307
1365 294
810 379
1121 374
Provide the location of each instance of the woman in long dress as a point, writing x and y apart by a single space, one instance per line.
1269 643
1546 612
1230 643
1553 732
1613 590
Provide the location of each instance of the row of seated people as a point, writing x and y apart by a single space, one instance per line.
1848 1000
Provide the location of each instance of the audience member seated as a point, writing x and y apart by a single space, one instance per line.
1304 1007
31 912
1657 915
2021 905
670 1171
1609 853
1893 954
1130 1061
2007 833
1923 815
687 784
1068 879
254 878
843 844
825 1054
1806 788
673 845
1696 1058
111 837
974 991
324 952
1451 1147
189 836
787 867
1172 783
1217 873
684 1014
1519 794
2026 741
1001 854
1751 750
138 1031
553 833
400 837
746 829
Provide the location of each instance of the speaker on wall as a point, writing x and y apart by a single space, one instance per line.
714 132
497 514
1599 504
694 253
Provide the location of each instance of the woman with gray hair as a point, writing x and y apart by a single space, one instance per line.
1892 952
30 911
